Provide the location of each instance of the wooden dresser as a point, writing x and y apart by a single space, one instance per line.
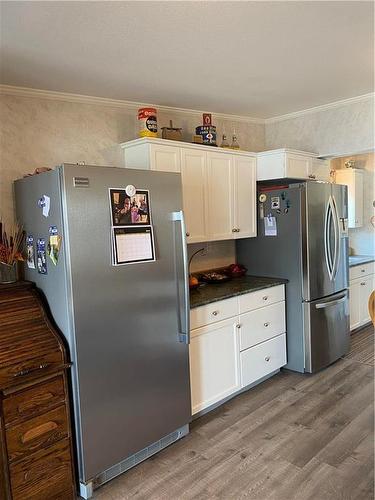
36 458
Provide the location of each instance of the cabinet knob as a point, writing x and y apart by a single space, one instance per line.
266 324
363 270
234 230
238 326
267 358
265 297
215 313
187 234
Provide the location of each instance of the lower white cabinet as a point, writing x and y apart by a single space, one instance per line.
235 342
361 285
214 364
262 359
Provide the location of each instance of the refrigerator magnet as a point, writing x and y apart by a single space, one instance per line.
30 256
41 256
54 244
270 226
44 203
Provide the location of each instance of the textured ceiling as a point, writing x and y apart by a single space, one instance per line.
259 59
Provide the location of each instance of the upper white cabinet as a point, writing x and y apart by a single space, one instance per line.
287 163
353 178
218 185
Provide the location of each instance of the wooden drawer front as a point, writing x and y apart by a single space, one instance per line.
30 402
262 359
47 474
37 433
362 270
217 311
21 371
261 298
261 324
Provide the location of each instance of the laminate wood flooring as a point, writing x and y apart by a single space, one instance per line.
294 437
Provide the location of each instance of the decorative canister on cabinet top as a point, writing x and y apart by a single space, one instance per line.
148 124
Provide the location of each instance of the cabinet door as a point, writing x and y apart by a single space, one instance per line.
165 158
354 302
297 166
219 189
366 288
194 194
244 196
358 199
214 363
320 170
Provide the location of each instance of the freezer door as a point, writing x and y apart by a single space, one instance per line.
130 322
326 330
324 243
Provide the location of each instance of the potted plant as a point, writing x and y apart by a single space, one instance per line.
11 245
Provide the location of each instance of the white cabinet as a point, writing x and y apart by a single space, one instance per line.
220 194
286 163
361 285
214 363
353 178
244 186
194 194
230 341
218 185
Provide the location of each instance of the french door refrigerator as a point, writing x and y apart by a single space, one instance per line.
302 236
127 326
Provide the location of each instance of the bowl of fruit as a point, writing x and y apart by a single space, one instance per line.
236 270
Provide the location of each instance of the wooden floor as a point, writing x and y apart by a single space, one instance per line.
293 437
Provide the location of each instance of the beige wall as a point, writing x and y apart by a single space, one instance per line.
37 132
362 239
340 130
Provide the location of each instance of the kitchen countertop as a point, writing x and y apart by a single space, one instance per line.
206 294
357 260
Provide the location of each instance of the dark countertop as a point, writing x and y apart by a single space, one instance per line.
206 294
357 260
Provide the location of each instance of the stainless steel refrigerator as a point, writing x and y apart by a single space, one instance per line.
127 326
302 236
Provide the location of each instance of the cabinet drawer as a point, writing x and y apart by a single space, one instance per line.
262 359
22 371
262 324
261 298
37 433
47 474
30 402
361 270
217 311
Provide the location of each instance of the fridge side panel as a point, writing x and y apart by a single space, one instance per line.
53 284
281 256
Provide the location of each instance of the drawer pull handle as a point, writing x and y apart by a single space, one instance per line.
266 324
26 371
215 313
363 283
267 358
265 297
38 431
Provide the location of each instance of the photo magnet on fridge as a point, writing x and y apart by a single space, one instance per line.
30 256
54 244
41 256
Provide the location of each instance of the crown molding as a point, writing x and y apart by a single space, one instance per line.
114 103
133 106
323 107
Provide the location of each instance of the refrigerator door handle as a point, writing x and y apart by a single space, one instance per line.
323 305
184 305
327 244
336 223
